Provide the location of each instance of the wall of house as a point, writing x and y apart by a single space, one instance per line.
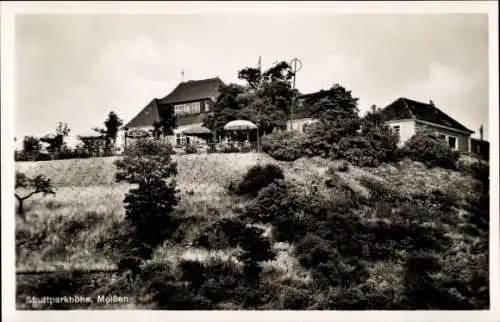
463 139
299 124
406 129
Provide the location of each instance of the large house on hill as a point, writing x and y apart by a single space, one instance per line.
407 117
190 100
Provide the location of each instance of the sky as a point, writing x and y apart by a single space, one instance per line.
78 68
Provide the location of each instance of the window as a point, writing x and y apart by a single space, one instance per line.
452 142
188 108
180 139
396 129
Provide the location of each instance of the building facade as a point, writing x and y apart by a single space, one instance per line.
407 117
189 101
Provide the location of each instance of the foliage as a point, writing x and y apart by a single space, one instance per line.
56 141
425 147
38 184
224 233
265 100
284 146
31 144
112 125
190 149
149 206
258 177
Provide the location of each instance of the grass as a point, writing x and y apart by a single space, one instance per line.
64 231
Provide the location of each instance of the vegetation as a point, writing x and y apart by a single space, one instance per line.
257 177
108 133
427 148
148 207
284 146
344 224
32 186
265 100
339 133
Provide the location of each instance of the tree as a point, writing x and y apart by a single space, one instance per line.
148 207
110 131
94 144
31 144
337 114
38 184
265 100
253 76
56 141
167 122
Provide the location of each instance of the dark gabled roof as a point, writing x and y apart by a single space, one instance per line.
404 108
193 91
146 117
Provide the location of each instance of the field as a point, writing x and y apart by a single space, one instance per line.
71 230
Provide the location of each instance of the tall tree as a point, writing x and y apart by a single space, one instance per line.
337 113
264 100
56 141
31 144
253 76
110 131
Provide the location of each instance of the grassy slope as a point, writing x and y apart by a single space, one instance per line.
64 231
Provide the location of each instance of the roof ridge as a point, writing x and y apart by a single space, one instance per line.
436 109
405 103
201 80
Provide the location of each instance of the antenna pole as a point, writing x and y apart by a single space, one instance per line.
295 69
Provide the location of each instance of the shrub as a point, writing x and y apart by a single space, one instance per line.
284 146
380 191
149 206
190 149
271 204
427 148
258 177
56 285
313 250
222 234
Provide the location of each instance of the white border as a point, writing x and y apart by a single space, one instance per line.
10 9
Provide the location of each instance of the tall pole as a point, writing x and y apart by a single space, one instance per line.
182 76
295 69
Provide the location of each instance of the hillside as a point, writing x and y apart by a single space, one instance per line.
74 229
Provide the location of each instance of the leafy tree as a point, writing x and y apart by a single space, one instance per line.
38 184
149 206
253 76
56 141
265 100
110 132
93 144
31 144
337 113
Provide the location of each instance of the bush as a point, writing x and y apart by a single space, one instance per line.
271 204
425 147
284 146
258 177
190 149
222 234
313 250
149 206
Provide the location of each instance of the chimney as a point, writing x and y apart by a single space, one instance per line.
431 103
481 132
